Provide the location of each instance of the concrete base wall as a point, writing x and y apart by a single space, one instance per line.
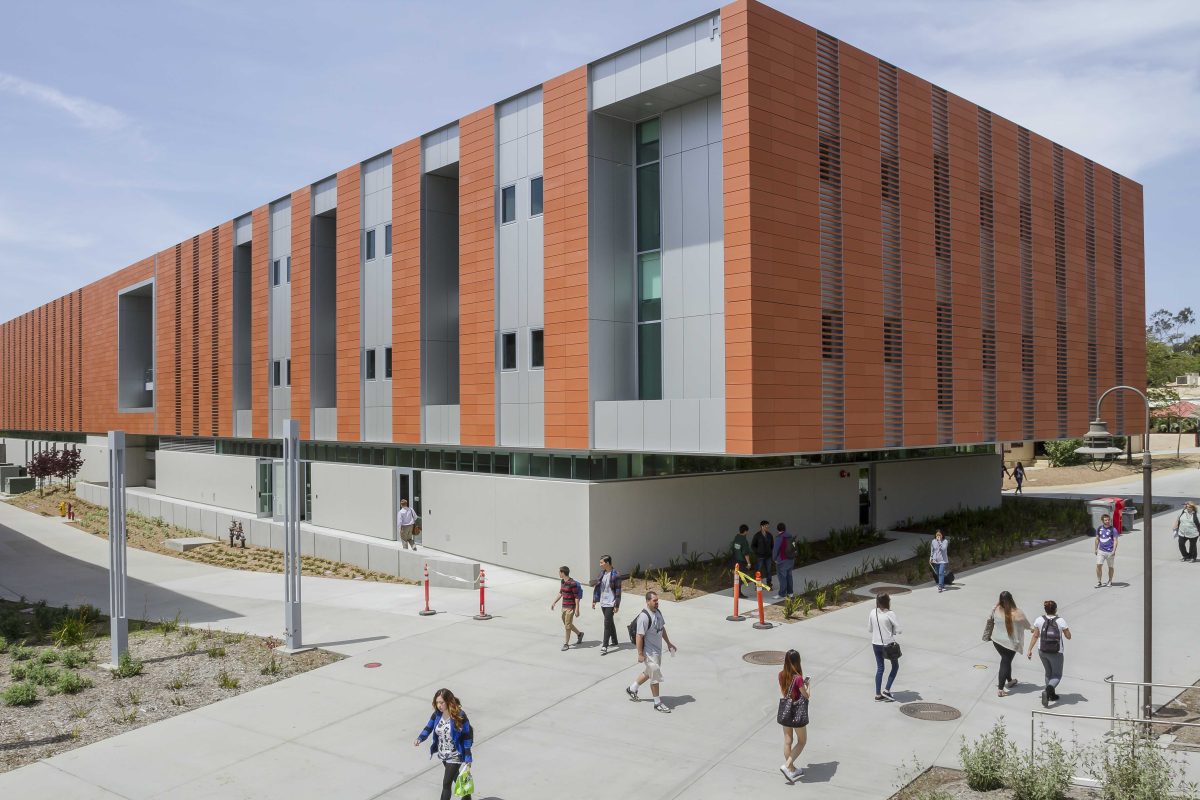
927 487
350 497
227 481
95 458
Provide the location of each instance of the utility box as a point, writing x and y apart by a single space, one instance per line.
1099 507
1128 515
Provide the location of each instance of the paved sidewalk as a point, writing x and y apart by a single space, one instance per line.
548 720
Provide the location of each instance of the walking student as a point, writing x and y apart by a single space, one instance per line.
938 558
1018 474
793 684
452 738
1187 530
741 554
607 593
763 546
570 593
1105 549
883 627
406 519
1008 637
783 561
1050 630
651 633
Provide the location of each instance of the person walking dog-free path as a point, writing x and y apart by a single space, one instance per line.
452 738
741 554
1052 631
883 627
1187 530
571 594
1018 474
938 557
793 684
784 561
607 593
1105 549
1009 624
763 545
651 633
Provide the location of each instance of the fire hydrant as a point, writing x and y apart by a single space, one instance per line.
62 508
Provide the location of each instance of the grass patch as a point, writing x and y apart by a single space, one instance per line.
216 651
227 681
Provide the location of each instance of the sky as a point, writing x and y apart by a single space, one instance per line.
136 125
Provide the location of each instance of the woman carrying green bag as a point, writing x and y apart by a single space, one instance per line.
452 740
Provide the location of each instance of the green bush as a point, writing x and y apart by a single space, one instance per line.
23 653
127 667
984 761
69 682
19 694
1043 775
71 632
1131 766
73 659
1062 453
47 656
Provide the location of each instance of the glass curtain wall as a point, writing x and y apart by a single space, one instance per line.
649 258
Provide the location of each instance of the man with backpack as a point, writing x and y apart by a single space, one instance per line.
741 554
649 631
571 594
1049 634
763 546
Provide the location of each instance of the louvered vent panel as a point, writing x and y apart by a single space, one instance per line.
1089 254
1025 197
987 272
943 281
833 400
889 190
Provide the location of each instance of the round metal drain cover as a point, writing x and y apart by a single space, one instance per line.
765 658
878 590
372 665
935 712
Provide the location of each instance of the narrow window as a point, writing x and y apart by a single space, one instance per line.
387 239
508 351
387 360
289 372
369 364
289 269
508 204
275 272
537 348
370 245
275 372
535 197
648 217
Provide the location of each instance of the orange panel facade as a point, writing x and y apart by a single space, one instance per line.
406 292
476 278
349 303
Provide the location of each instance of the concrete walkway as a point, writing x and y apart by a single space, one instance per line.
550 722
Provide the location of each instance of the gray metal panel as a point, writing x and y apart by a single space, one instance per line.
695 232
536 273
629 425
509 387
681 53
242 230
628 73
716 232
508 163
696 351
534 149
440 148
606 425
685 425
708 42
672 237
537 425
712 425
714 119
510 425
673 334
324 196
604 83
671 132
656 425
653 56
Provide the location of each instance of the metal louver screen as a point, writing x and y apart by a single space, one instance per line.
890 246
833 400
943 277
1025 193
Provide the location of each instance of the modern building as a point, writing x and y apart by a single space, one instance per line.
740 269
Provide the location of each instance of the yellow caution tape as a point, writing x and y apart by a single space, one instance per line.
747 579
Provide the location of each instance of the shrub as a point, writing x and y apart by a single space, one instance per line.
1130 766
836 593
127 667
216 652
41 674
227 681
791 605
47 656
23 653
984 760
73 659
19 694
1044 774
69 682
3 645
1062 452
819 600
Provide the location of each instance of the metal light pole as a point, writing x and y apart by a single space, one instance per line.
117 565
1099 443
291 536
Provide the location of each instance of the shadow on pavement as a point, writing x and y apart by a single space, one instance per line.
906 697
1068 700
346 641
819 773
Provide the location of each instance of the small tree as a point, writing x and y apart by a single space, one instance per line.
68 464
43 465
1062 453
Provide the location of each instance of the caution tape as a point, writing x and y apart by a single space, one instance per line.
747 579
454 578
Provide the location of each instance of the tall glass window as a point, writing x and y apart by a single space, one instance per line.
649 262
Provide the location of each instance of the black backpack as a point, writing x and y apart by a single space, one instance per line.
1050 640
633 625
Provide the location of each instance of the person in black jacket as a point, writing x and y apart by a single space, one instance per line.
763 545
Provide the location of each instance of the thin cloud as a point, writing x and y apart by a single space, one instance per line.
86 113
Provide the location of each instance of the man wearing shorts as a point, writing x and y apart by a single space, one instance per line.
1105 549
651 633
570 593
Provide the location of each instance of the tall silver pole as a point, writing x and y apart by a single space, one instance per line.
291 535
117 565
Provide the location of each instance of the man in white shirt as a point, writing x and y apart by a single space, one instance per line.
1053 632
651 633
406 520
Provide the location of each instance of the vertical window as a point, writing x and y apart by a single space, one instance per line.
649 262
275 272
289 372
275 373
369 364
508 351
387 361
370 245
508 204
289 269
537 348
387 239
535 197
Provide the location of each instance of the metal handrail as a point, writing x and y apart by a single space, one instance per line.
1033 713
1112 690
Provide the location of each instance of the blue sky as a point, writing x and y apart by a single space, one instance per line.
129 126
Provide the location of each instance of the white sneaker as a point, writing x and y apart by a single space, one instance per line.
797 774
788 776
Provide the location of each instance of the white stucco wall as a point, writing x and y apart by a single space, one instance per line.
227 481
351 497
544 521
927 487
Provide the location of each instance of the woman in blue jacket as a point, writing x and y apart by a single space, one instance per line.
452 738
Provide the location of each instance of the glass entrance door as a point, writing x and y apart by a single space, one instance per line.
266 487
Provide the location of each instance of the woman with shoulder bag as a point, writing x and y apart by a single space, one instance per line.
1008 625
793 713
452 739
883 627
1187 530
939 558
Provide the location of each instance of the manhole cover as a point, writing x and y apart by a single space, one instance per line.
890 590
372 665
935 712
766 658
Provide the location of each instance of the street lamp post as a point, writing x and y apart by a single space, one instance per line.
1099 444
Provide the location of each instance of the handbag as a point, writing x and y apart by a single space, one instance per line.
988 627
792 713
891 650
